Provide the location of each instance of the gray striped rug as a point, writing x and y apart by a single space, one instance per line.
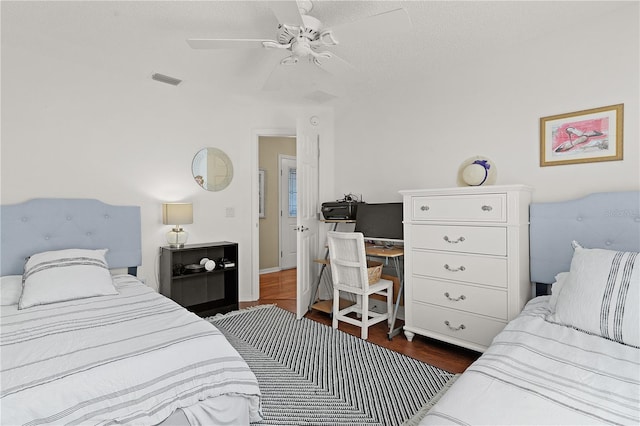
311 374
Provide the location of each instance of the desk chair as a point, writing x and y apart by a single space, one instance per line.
349 272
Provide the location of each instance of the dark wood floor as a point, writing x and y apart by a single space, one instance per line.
280 288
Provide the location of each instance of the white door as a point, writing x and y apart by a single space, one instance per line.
288 212
307 146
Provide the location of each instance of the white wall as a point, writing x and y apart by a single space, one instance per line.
74 130
416 136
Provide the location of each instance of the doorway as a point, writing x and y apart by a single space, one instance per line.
277 239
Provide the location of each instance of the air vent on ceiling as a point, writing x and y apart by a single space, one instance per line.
166 79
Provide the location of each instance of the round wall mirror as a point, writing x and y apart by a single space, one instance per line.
212 169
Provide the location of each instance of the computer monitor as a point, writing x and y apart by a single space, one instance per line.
380 222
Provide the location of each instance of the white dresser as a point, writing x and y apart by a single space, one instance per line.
466 261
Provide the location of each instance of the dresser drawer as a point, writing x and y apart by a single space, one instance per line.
460 325
461 267
482 207
479 300
468 239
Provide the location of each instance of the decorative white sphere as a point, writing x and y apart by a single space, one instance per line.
210 265
474 174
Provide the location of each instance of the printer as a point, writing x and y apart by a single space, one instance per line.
344 209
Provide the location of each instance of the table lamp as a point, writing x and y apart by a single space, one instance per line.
177 214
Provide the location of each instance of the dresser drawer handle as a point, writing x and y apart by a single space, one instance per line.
460 327
459 240
462 297
487 208
424 208
448 268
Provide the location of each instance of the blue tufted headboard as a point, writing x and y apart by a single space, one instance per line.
45 224
609 220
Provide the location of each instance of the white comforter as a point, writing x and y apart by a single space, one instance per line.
132 358
536 372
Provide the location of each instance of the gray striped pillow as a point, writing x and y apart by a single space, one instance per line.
62 275
601 295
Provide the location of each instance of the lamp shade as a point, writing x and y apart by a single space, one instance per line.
177 213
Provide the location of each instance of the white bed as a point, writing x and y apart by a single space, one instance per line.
129 356
572 357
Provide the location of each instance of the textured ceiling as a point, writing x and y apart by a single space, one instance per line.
141 37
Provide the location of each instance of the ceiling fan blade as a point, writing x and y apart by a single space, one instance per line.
300 76
320 96
279 78
287 12
226 43
335 65
392 22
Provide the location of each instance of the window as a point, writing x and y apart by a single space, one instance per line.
293 195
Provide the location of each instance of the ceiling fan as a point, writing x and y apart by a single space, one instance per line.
304 37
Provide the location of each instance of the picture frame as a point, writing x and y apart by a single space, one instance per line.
585 136
261 183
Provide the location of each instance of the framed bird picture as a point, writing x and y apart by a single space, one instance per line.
582 137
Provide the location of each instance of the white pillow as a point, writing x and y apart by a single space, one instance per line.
556 288
601 294
10 289
57 276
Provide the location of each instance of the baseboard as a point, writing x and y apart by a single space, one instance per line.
269 270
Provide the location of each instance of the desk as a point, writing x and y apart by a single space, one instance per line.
394 254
